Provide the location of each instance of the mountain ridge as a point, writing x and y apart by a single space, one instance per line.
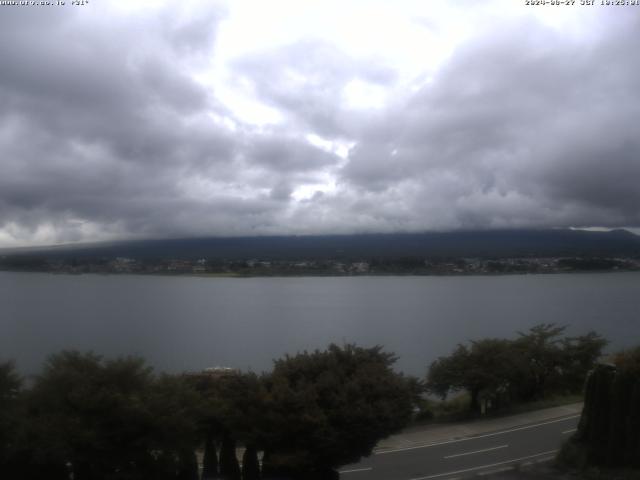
468 243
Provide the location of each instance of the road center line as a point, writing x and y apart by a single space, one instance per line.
570 431
466 439
355 470
485 466
477 451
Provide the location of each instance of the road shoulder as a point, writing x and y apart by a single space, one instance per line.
431 434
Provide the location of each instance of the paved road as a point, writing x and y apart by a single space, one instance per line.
487 452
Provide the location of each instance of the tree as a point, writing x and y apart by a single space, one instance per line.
210 459
609 429
499 371
483 370
97 410
176 409
539 360
580 355
109 419
165 466
10 384
250 464
329 408
187 465
447 374
229 467
233 405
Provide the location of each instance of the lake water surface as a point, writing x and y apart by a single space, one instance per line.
189 323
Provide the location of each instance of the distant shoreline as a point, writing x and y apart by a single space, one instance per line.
316 275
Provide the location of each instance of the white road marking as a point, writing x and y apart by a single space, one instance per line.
494 471
485 466
570 431
466 439
356 470
477 451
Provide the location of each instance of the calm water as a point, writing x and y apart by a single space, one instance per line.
185 323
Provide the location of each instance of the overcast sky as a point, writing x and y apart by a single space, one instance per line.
154 119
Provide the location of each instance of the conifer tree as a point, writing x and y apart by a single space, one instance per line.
229 467
210 460
165 466
250 464
188 468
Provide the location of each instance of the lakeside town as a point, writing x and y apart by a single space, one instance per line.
327 267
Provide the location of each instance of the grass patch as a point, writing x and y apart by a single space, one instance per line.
553 401
457 408
440 411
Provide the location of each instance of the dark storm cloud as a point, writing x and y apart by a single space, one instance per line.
516 131
94 127
287 154
105 133
102 129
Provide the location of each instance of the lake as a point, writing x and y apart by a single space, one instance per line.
190 323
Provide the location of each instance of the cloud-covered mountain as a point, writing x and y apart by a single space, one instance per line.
496 243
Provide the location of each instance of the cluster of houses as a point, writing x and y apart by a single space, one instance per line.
385 266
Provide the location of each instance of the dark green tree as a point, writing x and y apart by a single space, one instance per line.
538 361
210 459
165 466
500 371
329 408
483 369
98 410
176 409
108 418
229 467
250 464
579 356
187 465
447 374
233 408
10 384
609 429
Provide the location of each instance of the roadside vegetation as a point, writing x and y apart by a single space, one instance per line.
607 442
457 408
89 418
541 367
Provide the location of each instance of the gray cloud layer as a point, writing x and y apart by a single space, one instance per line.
104 134
515 131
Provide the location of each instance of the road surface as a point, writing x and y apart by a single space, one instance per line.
484 453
